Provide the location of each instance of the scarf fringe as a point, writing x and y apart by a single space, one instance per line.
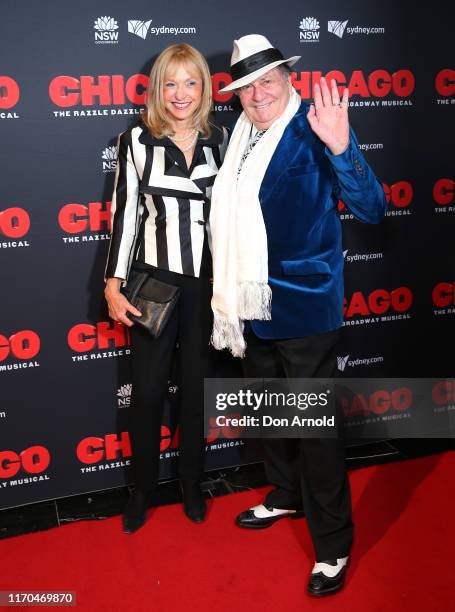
254 301
228 335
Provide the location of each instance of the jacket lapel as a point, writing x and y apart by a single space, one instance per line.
297 131
170 179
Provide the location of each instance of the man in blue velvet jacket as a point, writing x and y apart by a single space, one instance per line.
316 162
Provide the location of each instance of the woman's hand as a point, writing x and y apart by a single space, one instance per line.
328 116
117 303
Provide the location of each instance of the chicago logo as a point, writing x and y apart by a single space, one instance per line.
444 195
75 219
380 305
104 453
377 84
33 460
103 90
169 442
22 346
443 296
224 435
98 341
9 97
399 197
445 86
88 91
114 450
94 449
377 403
443 398
443 393
14 223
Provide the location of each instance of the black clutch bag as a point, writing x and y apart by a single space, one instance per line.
155 300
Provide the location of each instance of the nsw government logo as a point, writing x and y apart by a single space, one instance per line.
309 27
140 28
106 31
124 396
109 157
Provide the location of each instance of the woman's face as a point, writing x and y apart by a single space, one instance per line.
182 93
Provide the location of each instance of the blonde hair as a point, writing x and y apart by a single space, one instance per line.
155 116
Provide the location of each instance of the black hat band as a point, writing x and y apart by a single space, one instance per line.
255 62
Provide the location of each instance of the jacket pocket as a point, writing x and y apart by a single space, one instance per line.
305 169
305 267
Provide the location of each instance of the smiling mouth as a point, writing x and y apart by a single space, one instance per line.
181 105
262 106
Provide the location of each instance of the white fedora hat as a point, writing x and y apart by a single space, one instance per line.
253 56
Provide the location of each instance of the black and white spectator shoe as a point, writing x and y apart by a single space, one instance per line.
327 577
260 517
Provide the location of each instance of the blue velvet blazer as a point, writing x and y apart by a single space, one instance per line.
299 199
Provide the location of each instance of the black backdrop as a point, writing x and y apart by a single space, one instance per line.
71 79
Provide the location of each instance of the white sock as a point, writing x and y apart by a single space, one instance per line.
262 512
330 570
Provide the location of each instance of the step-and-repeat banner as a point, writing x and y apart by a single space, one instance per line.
71 79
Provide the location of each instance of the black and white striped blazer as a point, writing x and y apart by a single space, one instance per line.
159 208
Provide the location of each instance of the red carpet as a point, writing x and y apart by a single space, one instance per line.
402 560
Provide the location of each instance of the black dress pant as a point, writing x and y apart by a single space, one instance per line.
307 471
190 326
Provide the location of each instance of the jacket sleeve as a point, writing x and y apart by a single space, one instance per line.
356 185
126 212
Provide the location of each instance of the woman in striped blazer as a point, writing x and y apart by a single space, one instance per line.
160 210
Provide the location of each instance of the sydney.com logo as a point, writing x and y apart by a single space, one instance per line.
142 29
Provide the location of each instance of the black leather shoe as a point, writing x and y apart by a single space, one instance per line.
194 504
260 517
135 513
322 582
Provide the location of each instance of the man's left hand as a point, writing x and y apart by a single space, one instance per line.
328 116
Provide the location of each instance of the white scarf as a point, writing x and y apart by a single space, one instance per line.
239 239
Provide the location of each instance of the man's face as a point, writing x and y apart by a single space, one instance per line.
266 98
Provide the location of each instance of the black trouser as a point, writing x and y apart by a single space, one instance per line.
308 470
190 326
